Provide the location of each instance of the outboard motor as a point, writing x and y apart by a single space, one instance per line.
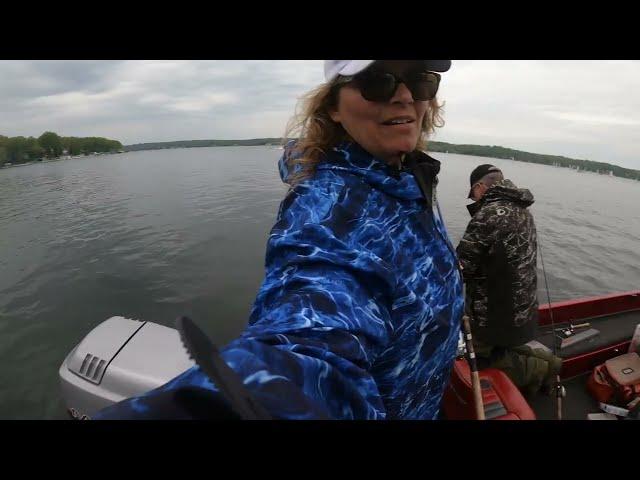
118 359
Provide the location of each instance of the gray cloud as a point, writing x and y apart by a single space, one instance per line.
575 108
580 109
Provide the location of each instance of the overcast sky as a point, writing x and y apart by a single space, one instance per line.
580 109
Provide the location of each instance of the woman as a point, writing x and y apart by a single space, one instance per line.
358 315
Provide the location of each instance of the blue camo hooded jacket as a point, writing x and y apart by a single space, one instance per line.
358 314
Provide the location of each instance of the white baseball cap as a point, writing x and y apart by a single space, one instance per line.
333 68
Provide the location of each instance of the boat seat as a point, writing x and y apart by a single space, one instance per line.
502 400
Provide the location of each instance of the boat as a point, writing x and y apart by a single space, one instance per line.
613 316
122 358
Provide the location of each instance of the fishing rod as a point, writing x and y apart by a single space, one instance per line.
471 357
560 390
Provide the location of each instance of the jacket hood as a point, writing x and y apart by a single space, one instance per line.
506 190
351 158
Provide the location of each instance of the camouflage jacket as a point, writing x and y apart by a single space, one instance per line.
498 253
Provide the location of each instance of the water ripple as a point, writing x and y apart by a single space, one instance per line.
152 235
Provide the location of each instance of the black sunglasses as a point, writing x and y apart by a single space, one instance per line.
380 86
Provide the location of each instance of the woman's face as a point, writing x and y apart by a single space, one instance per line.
369 123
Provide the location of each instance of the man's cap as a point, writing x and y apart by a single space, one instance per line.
333 68
479 172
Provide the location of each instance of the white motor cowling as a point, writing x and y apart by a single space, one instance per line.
118 359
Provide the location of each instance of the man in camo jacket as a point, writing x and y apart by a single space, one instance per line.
498 254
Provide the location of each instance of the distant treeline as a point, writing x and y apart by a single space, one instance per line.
520 156
477 150
51 145
202 143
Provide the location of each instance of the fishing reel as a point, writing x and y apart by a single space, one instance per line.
571 329
561 392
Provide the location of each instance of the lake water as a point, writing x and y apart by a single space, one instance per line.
153 235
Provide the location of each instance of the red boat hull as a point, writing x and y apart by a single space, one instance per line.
498 389
589 308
